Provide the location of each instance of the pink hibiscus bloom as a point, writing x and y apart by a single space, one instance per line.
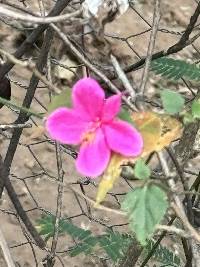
92 123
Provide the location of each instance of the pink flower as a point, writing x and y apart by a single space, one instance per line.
92 123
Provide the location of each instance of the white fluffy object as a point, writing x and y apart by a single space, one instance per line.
91 6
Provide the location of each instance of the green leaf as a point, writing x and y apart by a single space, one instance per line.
172 101
141 170
141 206
113 243
188 118
175 69
125 116
61 100
74 231
196 109
45 226
86 247
162 254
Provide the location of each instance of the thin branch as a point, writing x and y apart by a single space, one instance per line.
30 40
42 8
59 202
173 229
6 251
31 66
100 206
123 78
23 109
22 118
81 57
185 149
156 19
184 183
177 205
181 44
13 126
38 20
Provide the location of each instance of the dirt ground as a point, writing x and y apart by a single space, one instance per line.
38 162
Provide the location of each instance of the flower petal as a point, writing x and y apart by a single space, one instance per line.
66 125
94 156
111 107
123 138
88 97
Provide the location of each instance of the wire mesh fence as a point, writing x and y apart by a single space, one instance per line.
41 177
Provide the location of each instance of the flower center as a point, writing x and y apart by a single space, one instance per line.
95 124
89 135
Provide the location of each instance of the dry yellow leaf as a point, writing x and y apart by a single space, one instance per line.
110 176
157 130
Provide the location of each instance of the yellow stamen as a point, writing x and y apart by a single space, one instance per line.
88 137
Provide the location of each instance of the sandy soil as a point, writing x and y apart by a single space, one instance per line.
40 157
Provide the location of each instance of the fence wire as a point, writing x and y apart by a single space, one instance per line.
41 168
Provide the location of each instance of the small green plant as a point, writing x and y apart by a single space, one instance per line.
175 69
140 206
173 102
140 203
162 255
114 244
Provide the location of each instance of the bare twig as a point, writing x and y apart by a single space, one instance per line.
173 229
38 20
59 205
31 66
22 118
6 251
81 57
42 8
177 205
13 126
123 78
100 207
184 183
181 44
23 109
28 43
156 19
